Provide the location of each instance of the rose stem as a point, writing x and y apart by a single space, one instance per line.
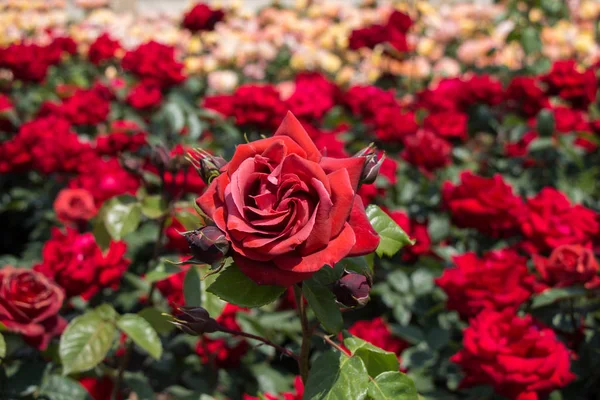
306 334
266 341
332 343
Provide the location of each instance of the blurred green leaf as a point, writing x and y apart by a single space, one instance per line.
322 301
58 387
392 386
141 333
376 360
545 123
121 215
161 323
2 346
192 287
335 376
393 238
154 206
550 296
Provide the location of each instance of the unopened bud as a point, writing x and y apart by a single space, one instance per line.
210 167
160 157
352 289
372 164
195 321
208 244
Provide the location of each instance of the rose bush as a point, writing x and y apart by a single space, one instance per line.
324 202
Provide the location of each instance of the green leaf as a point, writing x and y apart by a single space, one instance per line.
334 376
140 385
161 323
210 302
545 123
192 287
121 215
530 40
154 206
376 360
357 264
85 342
392 386
58 387
322 301
106 312
550 296
194 126
142 333
393 238
234 287
175 117
2 346
162 271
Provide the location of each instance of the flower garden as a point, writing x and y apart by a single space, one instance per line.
319 201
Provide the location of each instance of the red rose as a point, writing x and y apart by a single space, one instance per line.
393 32
427 151
499 280
415 230
366 101
224 352
76 263
145 96
172 287
154 62
444 97
85 107
103 48
74 206
367 37
260 106
29 62
6 112
569 120
116 143
480 89
184 180
392 125
202 18
523 95
98 388
551 221
521 360
486 204
29 305
287 210
449 124
377 332
105 179
578 88
313 96
520 148
569 265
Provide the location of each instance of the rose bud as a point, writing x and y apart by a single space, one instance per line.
208 244
352 289
160 157
195 321
372 164
210 167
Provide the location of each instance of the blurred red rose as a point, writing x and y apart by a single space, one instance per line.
77 264
154 62
520 359
551 221
145 96
443 97
524 96
480 89
393 32
520 148
415 230
224 352
377 332
448 124
578 88
103 48
569 265
427 152
118 142
391 124
313 96
499 280
98 388
172 288
253 199
29 305
74 206
202 18
29 62
486 204
85 107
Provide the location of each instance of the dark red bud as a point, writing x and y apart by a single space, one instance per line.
352 289
372 164
160 157
195 321
208 244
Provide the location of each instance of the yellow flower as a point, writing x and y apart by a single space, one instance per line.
535 15
584 42
331 62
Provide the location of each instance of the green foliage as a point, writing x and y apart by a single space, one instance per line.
322 301
393 238
141 333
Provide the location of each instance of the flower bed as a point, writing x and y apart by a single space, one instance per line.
301 203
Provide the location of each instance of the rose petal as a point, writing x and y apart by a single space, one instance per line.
367 238
212 198
337 249
342 197
249 150
292 128
354 165
266 273
321 232
304 169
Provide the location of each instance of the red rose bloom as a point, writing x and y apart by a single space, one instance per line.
6 110
86 107
392 125
427 151
116 143
521 360
367 101
30 62
486 204
76 263
444 97
578 88
29 305
172 288
498 281
313 96
154 62
523 95
202 18
330 146
103 49
367 37
393 32
74 206
378 334
569 265
287 210
186 179
145 96
260 106
224 352
520 148
568 120
448 125
415 230
480 89
105 179
98 388
551 221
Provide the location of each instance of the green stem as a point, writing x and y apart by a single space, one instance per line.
306 334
